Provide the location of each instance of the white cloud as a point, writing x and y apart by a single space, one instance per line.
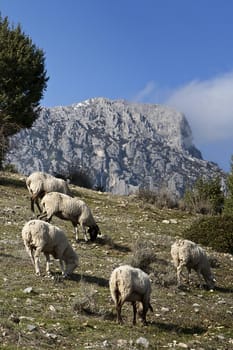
208 106
146 92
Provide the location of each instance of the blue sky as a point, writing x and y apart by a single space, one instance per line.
172 52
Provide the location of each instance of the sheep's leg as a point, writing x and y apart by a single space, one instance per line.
35 199
118 310
29 250
32 205
179 272
76 232
62 267
36 257
44 215
144 312
38 206
47 264
134 311
84 232
200 279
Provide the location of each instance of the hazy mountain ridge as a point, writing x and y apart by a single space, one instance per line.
121 145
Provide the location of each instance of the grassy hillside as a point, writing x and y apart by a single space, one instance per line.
52 313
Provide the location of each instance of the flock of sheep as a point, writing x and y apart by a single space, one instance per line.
127 284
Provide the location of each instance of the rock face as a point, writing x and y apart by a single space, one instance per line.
120 145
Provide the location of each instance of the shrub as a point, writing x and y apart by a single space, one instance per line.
78 177
228 205
216 231
10 168
206 197
143 255
161 198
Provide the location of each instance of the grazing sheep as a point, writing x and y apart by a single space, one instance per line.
39 183
133 285
40 236
188 254
72 209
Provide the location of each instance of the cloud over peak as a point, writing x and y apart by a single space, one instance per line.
207 105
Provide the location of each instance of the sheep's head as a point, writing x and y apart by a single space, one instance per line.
94 231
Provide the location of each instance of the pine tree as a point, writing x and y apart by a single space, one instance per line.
228 205
205 197
22 81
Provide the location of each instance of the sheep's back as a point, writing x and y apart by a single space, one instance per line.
38 233
188 252
54 184
132 283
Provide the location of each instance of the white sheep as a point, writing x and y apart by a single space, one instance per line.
188 254
133 285
40 183
72 209
39 236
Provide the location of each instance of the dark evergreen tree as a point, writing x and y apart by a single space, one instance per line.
23 79
228 205
205 197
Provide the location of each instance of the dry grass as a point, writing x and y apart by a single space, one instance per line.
78 313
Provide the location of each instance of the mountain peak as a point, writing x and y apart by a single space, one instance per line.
121 145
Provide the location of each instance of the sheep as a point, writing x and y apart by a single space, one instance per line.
188 254
40 183
72 209
133 285
39 236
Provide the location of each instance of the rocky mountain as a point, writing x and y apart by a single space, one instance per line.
120 145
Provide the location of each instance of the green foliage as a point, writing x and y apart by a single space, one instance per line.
77 176
205 197
22 81
215 231
228 205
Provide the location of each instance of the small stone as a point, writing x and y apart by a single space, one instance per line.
31 327
121 343
196 305
51 335
220 337
106 344
27 290
142 341
182 345
165 309
52 308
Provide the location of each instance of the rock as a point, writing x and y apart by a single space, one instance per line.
106 344
117 143
122 343
173 221
52 308
182 345
31 327
51 335
28 290
165 309
143 342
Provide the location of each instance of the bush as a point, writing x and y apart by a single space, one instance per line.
205 197
216 231
161 198
10 168
78 177
143 255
